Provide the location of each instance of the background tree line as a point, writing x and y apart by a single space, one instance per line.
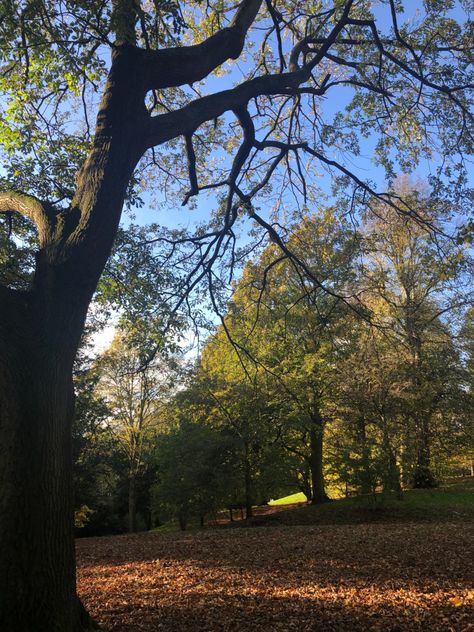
358 383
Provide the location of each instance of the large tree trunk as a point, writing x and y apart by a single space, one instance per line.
316 436
37 569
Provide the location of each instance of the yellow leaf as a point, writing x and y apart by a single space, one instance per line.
456 601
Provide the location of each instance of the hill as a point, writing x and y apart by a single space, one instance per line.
453 503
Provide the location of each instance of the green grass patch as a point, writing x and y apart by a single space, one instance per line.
452 502
289 500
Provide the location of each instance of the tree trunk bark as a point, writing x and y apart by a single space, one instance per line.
39 334
318 492
37 557
132 504
423 476
248 484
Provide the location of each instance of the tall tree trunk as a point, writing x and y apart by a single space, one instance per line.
132 503
423 476
316 437
39 334
391 475
407 455
365 476
37 558
248 483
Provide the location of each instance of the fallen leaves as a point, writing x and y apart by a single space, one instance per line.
391 578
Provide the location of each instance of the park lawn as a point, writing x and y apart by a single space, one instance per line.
377 577
453 502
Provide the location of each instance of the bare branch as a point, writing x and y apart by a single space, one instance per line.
193 181
185 120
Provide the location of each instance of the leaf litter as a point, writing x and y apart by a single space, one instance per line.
348 578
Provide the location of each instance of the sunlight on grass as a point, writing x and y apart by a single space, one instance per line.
289 500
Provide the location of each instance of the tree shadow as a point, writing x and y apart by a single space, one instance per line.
207 613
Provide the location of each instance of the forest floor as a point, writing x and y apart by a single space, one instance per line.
375 576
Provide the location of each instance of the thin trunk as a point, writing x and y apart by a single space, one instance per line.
305 483
391 476
183 518
132 503
406 453
365 472
423 476
248 483
316 437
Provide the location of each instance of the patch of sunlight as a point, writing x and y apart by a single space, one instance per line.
289 500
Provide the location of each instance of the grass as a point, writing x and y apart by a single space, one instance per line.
289 500
453 502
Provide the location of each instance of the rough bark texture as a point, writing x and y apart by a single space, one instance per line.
38 338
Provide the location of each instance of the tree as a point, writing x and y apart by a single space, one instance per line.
52 63
418 275
95 477
293 332
196 472
240 407
134 395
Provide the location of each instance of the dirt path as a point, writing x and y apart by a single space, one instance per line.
390 578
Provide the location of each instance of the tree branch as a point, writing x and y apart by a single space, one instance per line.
187 119
30 207
182 65
190 117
